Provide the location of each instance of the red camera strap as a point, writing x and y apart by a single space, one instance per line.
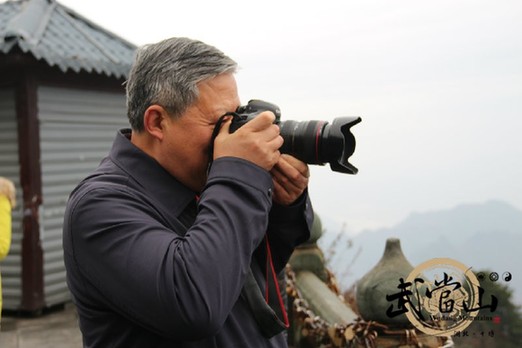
270 269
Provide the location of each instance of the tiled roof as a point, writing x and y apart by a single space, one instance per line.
61 37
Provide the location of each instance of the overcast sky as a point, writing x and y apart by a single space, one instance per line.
438 85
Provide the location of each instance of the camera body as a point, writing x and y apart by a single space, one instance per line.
247 112
313 142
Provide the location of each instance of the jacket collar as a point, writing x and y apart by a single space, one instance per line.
149 174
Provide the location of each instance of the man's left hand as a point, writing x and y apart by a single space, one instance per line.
290 177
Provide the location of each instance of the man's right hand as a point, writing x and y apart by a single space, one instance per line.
257 141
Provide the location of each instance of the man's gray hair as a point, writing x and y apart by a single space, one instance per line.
167 73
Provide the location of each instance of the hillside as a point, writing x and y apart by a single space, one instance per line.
482 236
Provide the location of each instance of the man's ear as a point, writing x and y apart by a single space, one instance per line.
153 121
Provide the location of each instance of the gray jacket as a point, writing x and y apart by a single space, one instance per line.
143 275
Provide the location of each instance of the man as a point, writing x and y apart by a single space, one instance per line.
167 245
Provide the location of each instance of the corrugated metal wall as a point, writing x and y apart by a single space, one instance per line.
77 128
11 266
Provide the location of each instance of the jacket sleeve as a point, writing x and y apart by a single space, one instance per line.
289 226
182 288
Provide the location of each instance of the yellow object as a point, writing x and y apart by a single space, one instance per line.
5 226
7 202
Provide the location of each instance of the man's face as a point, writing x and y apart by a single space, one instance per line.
188 137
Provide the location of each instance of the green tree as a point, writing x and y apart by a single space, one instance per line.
500 328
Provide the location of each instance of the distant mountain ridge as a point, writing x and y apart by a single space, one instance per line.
485 236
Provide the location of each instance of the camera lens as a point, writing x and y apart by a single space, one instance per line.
318 142
302 140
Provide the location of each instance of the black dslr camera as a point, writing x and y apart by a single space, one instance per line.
313 142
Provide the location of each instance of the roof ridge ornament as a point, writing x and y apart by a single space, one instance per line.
30 23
